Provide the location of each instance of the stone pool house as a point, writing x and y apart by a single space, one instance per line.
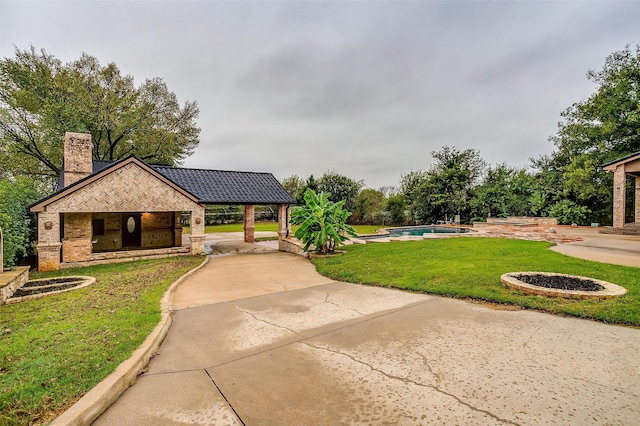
621 169
111 211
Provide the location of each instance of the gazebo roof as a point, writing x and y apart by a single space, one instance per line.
611 166
207 186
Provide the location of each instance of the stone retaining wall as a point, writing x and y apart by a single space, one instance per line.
11 281
510 220
291 246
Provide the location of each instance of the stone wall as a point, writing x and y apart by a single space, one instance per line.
158 230
291 246
11 281
76 242
112 238
548 221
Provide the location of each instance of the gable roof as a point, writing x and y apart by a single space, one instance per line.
205 186
102 172
610 166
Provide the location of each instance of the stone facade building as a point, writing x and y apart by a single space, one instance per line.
622 168
129 208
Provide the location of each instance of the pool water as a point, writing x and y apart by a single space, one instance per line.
417 231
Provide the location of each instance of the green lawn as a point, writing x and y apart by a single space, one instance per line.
270 226
55 349
471 268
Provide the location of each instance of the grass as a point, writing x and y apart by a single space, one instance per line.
55 349
471 268
269 226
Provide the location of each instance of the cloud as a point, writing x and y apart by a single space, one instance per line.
369 89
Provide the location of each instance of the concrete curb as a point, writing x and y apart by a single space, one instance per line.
98 399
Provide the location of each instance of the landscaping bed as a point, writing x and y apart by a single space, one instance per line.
560 282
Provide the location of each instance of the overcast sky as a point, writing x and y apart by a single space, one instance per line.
368 89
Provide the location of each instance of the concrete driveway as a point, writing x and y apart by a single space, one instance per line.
262 339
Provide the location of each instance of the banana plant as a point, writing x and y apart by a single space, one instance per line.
323 223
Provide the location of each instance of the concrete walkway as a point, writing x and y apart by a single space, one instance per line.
608 248
262 339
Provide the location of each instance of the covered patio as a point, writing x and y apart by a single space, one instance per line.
104 212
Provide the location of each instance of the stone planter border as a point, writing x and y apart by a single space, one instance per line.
610 290
81 281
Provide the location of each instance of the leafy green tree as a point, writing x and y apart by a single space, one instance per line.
41 98
410 187
340 187
397 208
598 129
446 191
18 225
369 206
323 223
504 191
295 186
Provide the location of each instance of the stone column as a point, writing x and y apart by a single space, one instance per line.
249 226
197 231
284 216
177 229
48 246
284 226
636 218
619 189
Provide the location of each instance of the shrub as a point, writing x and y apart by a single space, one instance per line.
15 220
569 212
322 223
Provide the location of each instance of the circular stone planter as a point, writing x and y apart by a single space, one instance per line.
35 289
604 290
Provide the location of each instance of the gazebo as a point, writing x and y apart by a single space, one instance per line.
109 211
621 168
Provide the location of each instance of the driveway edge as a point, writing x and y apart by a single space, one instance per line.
88 408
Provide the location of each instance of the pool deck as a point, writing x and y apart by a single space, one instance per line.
606 248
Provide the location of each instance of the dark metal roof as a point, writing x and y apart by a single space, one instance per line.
227 187
217 186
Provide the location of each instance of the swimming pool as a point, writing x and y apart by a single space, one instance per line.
415 231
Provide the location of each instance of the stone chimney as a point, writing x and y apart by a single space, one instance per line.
77 157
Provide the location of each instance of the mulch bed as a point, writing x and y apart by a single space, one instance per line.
560 282
21 292
42 283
